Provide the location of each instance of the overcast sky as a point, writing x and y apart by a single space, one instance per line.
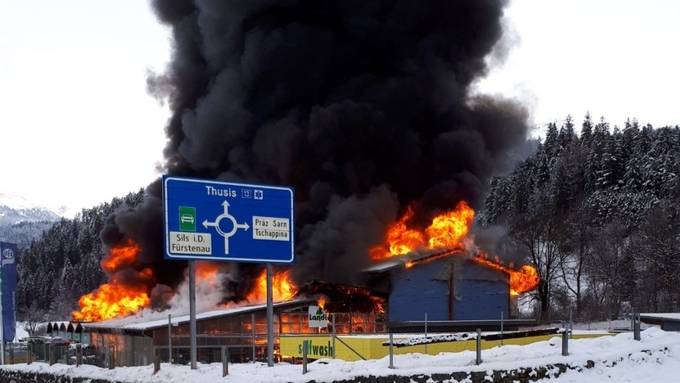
78 128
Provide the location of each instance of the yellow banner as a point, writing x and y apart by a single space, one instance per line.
356 347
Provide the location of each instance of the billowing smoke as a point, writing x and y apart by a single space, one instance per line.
362 106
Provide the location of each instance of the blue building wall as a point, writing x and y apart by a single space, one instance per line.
414 293
479 293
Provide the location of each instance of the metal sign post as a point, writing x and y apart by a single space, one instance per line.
270 317
226 221
192 312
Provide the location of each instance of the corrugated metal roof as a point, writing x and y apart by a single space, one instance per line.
156 320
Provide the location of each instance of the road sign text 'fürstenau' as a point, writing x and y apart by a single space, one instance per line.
224 221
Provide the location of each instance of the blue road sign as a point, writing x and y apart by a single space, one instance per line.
224 221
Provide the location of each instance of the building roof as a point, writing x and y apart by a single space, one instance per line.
660 317
412 257
160 319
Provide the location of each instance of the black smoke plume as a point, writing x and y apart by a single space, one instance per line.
362 106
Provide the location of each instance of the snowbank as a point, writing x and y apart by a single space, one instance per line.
622 349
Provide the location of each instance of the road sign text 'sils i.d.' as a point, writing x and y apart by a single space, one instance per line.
224 221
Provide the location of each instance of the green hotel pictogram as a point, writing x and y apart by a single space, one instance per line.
187 218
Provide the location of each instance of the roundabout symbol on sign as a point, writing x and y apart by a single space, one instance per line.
234 225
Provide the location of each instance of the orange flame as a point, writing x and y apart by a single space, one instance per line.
321 302
449 229
283 287
399 238
121 256
118 297
207 272
446 230
521 280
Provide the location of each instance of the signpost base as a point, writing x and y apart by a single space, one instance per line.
270 317
192 312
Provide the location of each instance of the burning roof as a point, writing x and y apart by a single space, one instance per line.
156 320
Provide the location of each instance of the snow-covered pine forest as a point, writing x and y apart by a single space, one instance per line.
599 213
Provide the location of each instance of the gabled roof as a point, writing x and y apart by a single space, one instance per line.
413 257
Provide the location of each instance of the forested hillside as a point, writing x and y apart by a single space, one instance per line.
64 263
599 213
24 232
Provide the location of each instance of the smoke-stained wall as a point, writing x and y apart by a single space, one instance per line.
361 106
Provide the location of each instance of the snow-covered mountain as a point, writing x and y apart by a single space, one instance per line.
14 210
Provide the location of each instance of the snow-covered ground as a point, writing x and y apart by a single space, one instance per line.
20 331
632 364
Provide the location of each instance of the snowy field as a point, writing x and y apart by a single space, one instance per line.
631 364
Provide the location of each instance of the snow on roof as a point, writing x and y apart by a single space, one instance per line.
152 320
666 316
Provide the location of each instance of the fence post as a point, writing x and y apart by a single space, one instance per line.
304 358
156 361
79 354
334 334
225 361
426 332
11 353
112 358
170 338
632 321
106 355
391 351
565 342
501 328
50 353
636 327
478 359
252 321
29 352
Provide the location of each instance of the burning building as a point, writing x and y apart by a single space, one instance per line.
366 110
442 288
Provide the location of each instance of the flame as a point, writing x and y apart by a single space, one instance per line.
446 230
449 229
120 256
118 297
207 272
521 280
283 287
321 302
114 299
399 238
